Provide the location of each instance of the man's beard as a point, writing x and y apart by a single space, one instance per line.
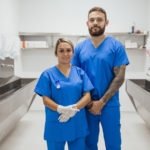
97 33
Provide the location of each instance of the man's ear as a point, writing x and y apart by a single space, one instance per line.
107 22
87 23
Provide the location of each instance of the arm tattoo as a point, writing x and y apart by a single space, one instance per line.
119 73
116 70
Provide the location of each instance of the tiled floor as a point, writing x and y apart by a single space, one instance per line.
28 133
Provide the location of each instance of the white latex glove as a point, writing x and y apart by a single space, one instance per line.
67 112
65 109
61 109
64 118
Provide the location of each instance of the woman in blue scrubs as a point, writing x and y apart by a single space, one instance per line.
65 90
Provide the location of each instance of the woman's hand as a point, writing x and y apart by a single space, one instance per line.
66 112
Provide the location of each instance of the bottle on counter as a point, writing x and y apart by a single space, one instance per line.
133 28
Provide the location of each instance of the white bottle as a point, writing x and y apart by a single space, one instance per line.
148 74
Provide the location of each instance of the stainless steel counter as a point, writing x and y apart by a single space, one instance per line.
16 97
139 92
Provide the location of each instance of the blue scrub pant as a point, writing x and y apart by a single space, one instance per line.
78 144
110 121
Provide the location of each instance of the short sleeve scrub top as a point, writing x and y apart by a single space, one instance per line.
64 91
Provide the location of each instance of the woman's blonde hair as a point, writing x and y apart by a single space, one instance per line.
62 40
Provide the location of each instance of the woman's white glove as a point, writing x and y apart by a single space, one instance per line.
64 117
66 112
62 109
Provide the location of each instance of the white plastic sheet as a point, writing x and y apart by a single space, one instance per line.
9 46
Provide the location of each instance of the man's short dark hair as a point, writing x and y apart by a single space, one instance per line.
98 9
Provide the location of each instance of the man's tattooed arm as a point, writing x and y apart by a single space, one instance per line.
119 73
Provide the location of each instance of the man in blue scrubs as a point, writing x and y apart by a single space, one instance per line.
104 60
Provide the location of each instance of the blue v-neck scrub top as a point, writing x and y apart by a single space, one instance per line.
99 63
64 91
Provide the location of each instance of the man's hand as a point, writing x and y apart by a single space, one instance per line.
89 105
97 107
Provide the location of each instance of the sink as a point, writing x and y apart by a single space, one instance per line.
8 85
15 84
138 91
142 83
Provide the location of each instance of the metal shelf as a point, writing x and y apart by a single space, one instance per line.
35 48
125 34
59 34
141 49
51 38
38 34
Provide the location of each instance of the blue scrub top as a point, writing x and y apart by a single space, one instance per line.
64 91
99 63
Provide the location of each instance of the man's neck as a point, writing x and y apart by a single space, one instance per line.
97 40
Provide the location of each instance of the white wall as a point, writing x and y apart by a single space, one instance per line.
9 16
69 16
149 15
